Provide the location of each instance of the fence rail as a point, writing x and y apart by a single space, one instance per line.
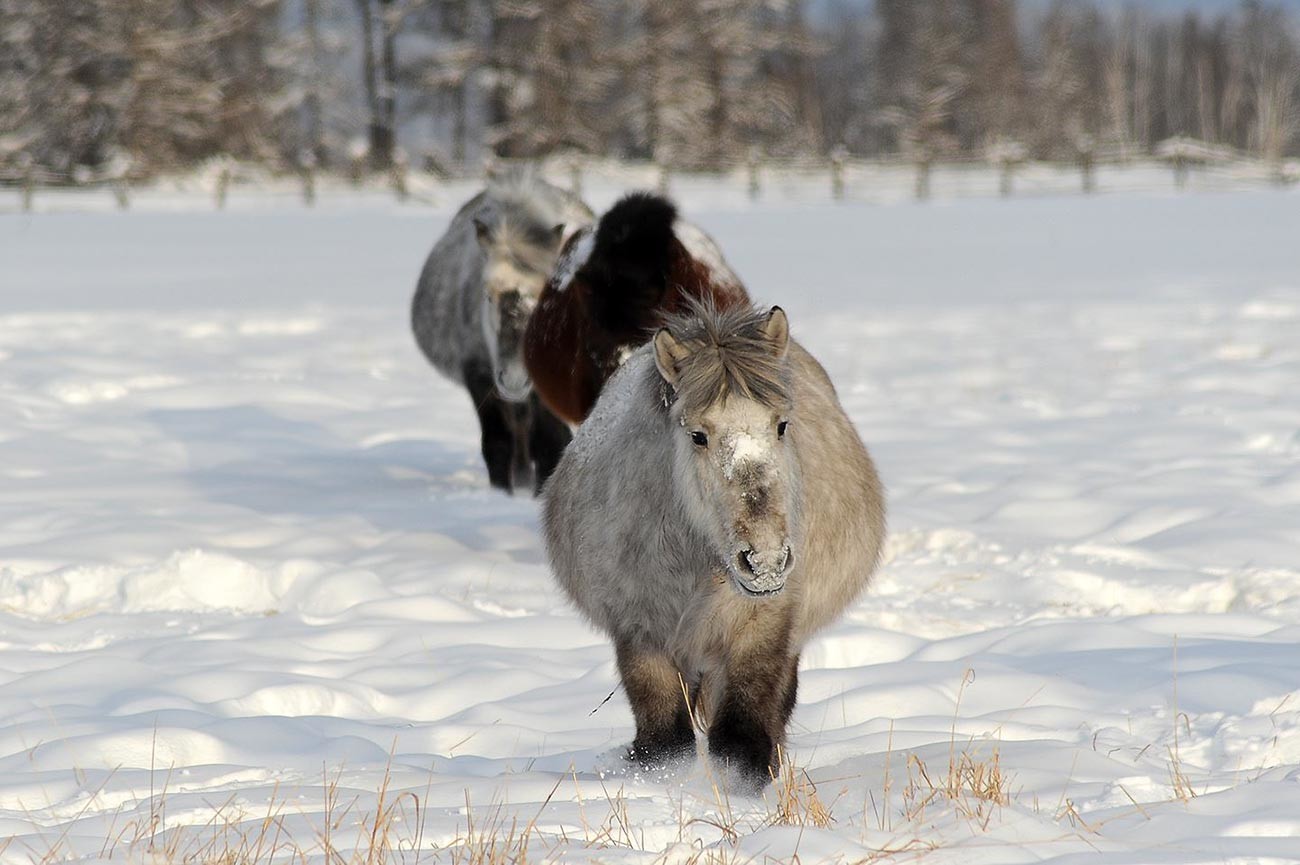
837 177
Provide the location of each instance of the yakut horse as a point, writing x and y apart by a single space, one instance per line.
748 517
614 284
475 294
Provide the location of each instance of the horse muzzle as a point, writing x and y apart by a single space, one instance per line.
762 573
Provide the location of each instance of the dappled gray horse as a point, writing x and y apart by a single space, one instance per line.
712 513
471 307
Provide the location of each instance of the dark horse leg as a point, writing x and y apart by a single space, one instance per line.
663 722
791 693
548 437
522 476
756 703
496 423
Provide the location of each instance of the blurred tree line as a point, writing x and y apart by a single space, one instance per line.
162 85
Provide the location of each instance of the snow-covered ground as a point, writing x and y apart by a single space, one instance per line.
254 589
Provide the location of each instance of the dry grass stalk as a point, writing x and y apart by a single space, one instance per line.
797 802
1177 777
976 787
495 843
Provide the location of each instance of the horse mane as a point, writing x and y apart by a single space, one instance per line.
628 269
729 352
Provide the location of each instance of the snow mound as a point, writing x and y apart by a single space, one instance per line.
191 580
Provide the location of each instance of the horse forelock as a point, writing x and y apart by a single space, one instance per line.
526 217
728 352
526 243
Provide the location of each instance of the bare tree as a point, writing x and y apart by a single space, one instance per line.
998 89
313 99
925 74
1271 71
380 20
693 83
1069 87
844 76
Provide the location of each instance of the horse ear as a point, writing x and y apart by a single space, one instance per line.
777 329
668 353
483 232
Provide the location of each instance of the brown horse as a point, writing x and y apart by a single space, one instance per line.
614 285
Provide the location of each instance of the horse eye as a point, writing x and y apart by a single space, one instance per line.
780 429
700 439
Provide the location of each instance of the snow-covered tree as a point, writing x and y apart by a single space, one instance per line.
314 102
1269 60
1068 92
923 73
380 21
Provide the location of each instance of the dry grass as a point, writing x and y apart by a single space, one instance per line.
392 828
975 786
1178 779
494 842
796 800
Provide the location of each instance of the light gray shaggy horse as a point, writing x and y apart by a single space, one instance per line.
471 308
713 512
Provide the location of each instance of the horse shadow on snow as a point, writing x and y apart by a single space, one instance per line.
250 458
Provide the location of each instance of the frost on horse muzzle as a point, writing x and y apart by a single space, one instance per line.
762 557
762 573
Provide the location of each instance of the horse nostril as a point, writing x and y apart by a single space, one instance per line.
742 558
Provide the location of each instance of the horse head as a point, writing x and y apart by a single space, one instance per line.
517 261
734 460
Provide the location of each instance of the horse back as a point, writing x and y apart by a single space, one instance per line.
590 317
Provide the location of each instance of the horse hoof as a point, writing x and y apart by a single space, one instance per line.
741 778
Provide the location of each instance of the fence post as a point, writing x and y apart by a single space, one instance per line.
399 176
923 175
1181 171
664 179
358 157
28 167
751 174
117 172
1086 149
307 167
1007 154
223 185
838 155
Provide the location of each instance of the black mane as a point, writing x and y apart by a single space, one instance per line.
627 271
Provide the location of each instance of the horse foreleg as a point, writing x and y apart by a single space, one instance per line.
548 436
522 476
664 732
494 418
757 700
791 693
